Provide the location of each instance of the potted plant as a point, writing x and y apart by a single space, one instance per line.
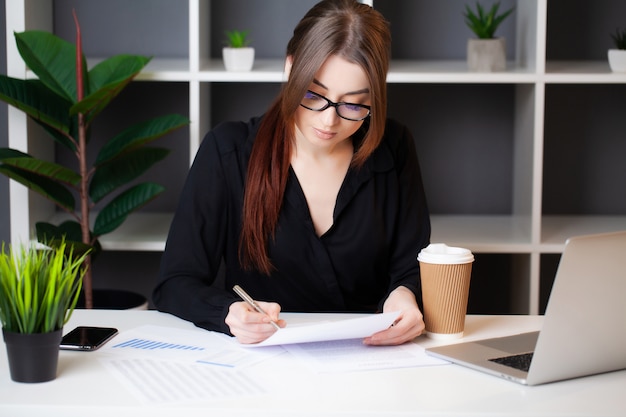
38 291
237 55
617 55
65 99
486 53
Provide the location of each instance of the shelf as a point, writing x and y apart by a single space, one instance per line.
401 71
162 69
557 229
480 233
483 233
142 231
264 70
442 71
587 72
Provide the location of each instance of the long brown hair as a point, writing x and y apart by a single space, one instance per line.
351 30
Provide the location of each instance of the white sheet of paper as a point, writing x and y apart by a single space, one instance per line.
155 381
160 365
353 328
353 355
200 346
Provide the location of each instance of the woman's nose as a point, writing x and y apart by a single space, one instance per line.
330 116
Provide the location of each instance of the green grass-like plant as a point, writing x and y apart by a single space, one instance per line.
484 24
39 288
237 38
619 38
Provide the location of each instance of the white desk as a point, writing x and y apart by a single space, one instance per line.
85 388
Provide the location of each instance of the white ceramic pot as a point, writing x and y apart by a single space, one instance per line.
617 60
238 59
486 55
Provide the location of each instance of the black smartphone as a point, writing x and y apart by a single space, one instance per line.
87 338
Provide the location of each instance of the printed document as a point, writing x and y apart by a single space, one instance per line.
163 365
353 355
352 328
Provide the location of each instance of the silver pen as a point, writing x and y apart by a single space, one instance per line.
244 295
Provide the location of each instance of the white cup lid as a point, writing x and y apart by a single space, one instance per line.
440 253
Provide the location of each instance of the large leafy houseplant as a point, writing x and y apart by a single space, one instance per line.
64 99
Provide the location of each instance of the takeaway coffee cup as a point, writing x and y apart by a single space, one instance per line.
445 272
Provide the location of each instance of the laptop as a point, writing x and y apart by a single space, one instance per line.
584 328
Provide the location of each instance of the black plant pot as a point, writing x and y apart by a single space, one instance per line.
33 357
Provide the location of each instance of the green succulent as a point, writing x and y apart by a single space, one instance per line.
237 38
484 24
619 38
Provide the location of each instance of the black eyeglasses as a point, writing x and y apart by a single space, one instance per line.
348 111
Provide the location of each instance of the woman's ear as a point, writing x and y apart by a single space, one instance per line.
288 62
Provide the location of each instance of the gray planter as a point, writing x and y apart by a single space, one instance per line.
486 55
238 59
617 60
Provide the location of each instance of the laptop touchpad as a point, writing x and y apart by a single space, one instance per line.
518 343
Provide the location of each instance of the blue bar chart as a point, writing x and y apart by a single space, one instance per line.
146 344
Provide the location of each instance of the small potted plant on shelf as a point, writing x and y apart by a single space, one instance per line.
64 100
617 55
38 291
486 53
237 55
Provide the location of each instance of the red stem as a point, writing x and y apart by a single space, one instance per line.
82 160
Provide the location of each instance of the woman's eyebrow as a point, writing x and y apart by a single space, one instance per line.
350 93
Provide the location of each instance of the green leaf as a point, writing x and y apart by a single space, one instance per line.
122 170
114 214
70 232
8 153
115 70
50 170
138 135
53 191
52 59
37 101
106 80
61 138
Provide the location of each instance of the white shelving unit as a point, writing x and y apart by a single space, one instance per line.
526 232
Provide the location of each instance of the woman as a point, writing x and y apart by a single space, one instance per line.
316 206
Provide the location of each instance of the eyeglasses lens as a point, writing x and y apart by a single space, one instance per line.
347 111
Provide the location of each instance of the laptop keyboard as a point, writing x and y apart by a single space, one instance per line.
521 361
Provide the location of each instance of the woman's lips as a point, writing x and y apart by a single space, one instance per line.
324 134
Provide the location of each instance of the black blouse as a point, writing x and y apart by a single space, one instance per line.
380 224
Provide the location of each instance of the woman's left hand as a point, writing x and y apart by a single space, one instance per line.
409 324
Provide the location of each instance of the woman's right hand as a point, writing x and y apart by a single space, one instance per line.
248 325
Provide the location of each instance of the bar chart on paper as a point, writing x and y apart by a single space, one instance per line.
191 346
161 342
174 360
146 344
